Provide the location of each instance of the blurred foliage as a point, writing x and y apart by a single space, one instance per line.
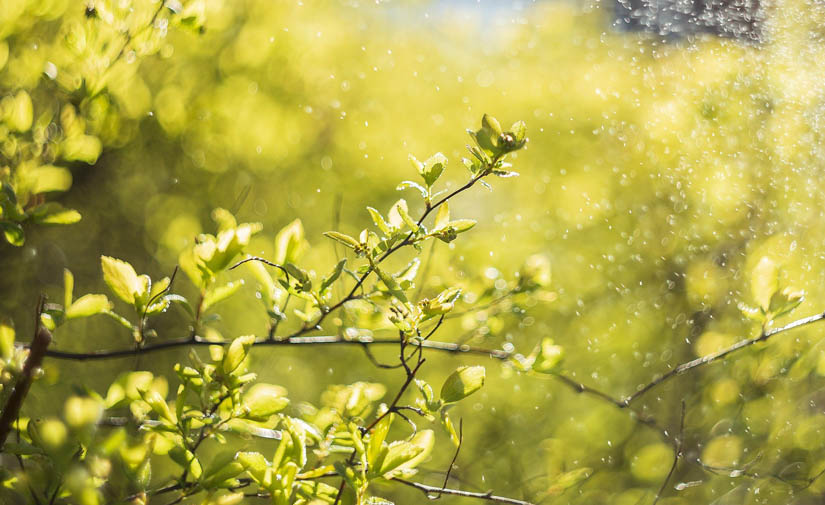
673 186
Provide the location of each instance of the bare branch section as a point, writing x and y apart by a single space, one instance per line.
295 341
710 358
677 453
437 490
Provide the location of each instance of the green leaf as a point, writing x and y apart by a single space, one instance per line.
343 238
298 451
379 221
428 396
504 174
447 232
82 411
186 459
236 353
764 282
487 136
432 168
447 423
54 213
160 303
297 273
465 381
84 148
392 285
264 400
408 273
224 219
347 473
401 208
417 165
441 304
122 279
47 178
413 185
519 132
398 453
6 340
461 225
327 281
442 218
471 165
290 243
549 357
403 456
20 112
492 124
219 294
159 406
376 440
68 287
13 233
221 469
785 301
255 464
88 305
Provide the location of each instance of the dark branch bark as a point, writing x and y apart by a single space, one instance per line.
295 341
37 350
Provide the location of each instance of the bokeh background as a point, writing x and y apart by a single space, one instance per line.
663 163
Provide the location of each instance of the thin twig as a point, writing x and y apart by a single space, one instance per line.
677 453
478 308
407 382
489 496
435 328
710 358
584 389
455 456
374 360
130 36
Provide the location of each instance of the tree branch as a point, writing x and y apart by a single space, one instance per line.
677 453
489 496
710 358
37 350
448 347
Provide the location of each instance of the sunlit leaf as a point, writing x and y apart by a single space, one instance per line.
290 243
236 353
343 239
54 213
88 305
13 233
264 400
764 281
121 279
465 381
442 217
413 185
